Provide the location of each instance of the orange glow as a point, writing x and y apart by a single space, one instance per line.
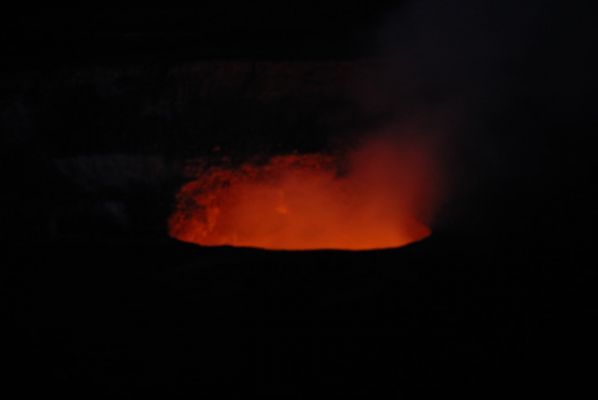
369 199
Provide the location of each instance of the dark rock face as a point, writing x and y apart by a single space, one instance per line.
185 109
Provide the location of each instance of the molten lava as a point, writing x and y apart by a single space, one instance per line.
369 199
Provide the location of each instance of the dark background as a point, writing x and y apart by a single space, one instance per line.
101 107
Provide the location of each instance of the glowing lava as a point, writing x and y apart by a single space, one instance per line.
367 200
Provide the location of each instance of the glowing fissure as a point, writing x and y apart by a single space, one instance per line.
367 199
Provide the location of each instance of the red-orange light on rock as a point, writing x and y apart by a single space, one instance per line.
370 199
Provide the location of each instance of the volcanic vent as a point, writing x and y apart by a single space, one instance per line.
377 196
